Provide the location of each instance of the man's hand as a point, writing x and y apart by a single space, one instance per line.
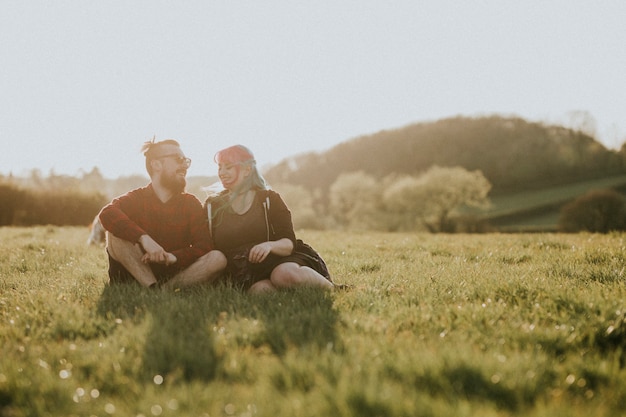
154 252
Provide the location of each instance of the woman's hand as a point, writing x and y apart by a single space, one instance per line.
259 252
281 247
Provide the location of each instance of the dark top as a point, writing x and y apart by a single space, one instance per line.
231 231
234 234
178 225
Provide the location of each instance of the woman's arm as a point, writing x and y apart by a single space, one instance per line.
281 247
281 230
280 218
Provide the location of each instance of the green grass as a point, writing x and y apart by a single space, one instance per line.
536 210
435 325
508 204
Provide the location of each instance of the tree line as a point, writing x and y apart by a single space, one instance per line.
57 199
54 199
357 200
29 207
426 202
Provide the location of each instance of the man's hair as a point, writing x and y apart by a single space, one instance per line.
150 149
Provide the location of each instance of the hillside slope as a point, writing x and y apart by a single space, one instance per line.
539 210
512 153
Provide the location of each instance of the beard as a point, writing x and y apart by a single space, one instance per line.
174 183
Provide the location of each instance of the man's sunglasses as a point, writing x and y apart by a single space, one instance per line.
177 158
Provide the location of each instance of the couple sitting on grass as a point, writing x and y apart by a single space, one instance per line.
161 236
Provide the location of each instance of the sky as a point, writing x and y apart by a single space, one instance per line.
84 83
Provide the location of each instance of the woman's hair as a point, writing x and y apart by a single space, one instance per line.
240 155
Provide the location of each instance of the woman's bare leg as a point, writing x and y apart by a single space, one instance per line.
290 274
262 287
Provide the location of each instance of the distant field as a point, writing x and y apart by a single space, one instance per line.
540 208
435 325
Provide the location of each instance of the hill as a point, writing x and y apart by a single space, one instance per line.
512 153
534 168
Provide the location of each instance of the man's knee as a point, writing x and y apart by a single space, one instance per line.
113 245
213 260
119 248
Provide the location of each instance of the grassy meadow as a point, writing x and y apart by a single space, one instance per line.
435 325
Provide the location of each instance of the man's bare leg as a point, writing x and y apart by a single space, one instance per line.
205 270
129 255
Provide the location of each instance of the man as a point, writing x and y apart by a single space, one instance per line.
158 234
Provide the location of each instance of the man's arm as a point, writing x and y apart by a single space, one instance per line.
154 253
200 240
116 220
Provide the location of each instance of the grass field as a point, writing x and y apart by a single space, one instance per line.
435 325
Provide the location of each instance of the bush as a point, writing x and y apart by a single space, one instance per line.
61 208
598 211
11 200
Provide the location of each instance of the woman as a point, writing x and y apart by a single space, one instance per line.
252 226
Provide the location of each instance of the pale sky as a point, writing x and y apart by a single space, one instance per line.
83 83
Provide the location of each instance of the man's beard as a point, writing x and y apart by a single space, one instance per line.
174 183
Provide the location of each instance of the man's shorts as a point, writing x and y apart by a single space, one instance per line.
120 275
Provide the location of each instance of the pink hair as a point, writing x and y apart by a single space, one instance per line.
233 155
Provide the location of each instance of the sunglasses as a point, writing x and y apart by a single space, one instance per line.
181 160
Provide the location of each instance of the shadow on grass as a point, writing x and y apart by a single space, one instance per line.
299 318
470 383
178 341
181 339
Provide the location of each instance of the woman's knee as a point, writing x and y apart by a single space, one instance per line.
293 275
262 287
286 275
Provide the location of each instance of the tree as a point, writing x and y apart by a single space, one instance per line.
583 121
355 200
301 204
404 201
598 211
92 181
433 196
11 201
